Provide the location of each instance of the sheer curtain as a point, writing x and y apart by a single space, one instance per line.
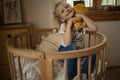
71 1
53 21
118 2
108 2
88 3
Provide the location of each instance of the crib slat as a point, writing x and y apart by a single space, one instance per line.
103 63
49 67
21 43
89 67
28 41
19 67
102 60
79 68
96 65
95 40
18 43
89 40
13 66
43 69
10 64
65 69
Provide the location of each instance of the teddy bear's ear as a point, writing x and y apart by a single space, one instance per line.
80 9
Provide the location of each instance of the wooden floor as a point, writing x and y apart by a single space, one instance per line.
113 73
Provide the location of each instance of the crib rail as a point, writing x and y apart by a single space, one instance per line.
98 48
23 46
20 46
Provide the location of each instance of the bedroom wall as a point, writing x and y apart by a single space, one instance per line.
111 30
38 12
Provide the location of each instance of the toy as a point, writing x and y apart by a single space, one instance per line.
78 22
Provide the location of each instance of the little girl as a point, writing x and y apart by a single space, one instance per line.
64 13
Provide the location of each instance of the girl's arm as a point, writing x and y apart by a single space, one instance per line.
67 36
90 24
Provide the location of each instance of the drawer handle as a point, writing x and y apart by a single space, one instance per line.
9 35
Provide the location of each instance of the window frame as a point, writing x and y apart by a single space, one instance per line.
98 6
108 12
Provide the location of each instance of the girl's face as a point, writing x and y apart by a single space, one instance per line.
64 11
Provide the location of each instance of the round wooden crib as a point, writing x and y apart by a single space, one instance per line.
24 46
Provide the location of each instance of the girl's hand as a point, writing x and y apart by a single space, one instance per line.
90 23
81 15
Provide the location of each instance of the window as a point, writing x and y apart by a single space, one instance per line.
101 10
110 2
97 4
88 3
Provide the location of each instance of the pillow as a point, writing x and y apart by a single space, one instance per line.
50 43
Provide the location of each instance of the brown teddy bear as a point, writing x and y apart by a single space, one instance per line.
78 22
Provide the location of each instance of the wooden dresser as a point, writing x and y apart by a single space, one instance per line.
7 31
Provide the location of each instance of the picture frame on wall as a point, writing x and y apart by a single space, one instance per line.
12 11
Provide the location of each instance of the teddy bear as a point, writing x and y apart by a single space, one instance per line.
78 22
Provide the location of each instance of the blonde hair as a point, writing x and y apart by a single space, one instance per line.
55 14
